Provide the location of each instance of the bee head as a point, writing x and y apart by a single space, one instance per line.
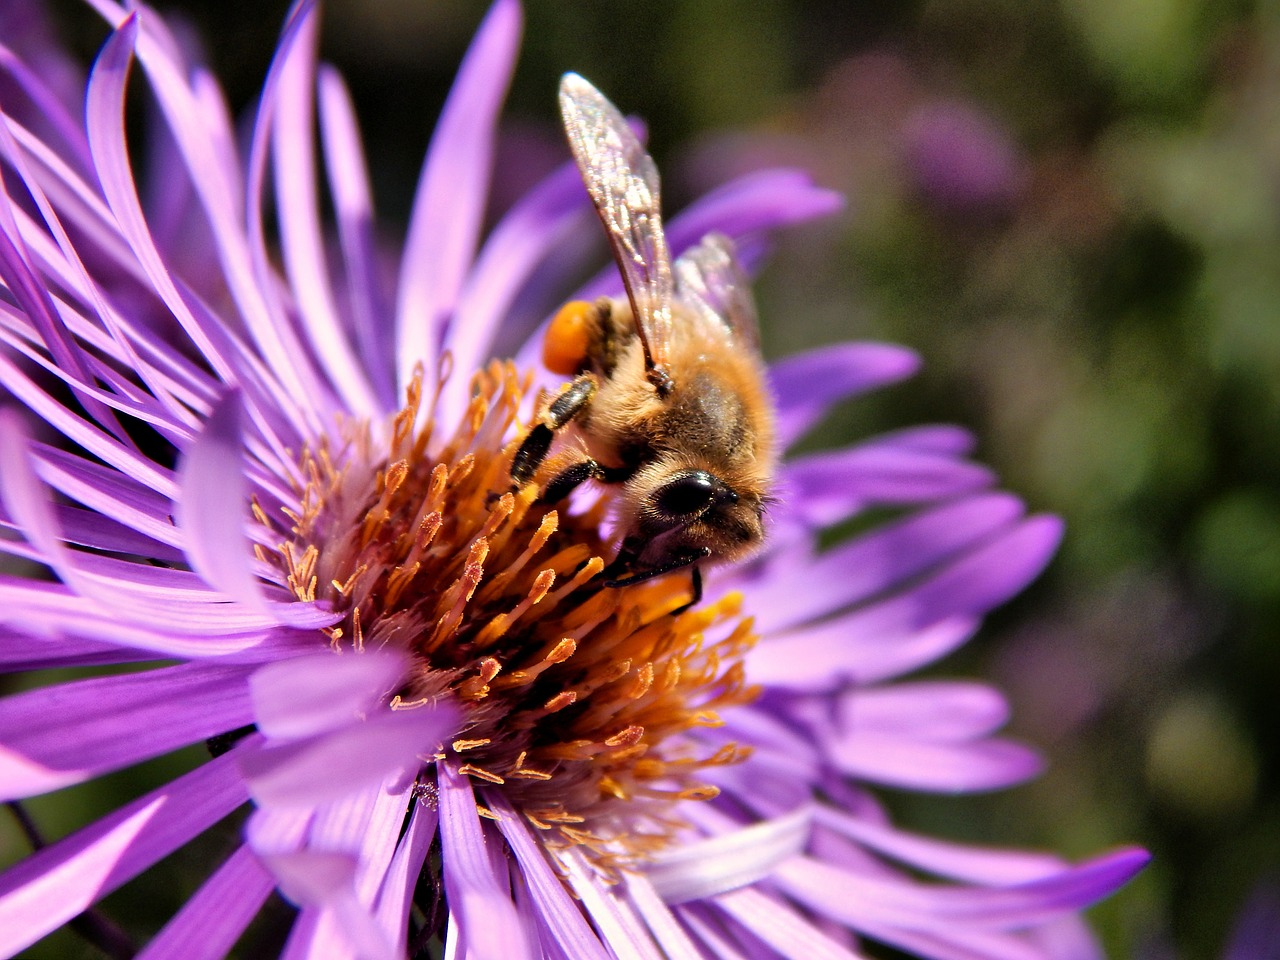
692 511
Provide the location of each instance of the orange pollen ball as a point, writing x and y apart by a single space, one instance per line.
588 706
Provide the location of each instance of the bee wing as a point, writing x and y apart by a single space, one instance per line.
711 283
623 183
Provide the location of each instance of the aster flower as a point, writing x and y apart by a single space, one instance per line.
280 494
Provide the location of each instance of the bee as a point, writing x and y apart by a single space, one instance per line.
667 392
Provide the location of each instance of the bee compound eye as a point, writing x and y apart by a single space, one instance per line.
688 494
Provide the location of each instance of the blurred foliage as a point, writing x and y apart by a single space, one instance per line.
1069 208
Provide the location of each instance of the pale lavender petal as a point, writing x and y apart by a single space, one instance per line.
848 896
332 765
889 555
353 210
982 865
104 110
786 930
213 506
214 917
301 234
341 926
826 488
939 710
395 899
110 722
478 899
662 923
305 696
624 933
368 825
931 766
708 927
44 891
865 646
751 205
525 236
449 206
808 384
556 910
700 869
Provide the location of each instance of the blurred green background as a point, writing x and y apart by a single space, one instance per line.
1071 210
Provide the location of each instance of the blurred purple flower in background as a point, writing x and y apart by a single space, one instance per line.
960 158
280 488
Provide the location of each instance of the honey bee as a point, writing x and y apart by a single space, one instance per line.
667 396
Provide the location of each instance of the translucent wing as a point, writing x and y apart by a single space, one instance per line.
712 284
623 183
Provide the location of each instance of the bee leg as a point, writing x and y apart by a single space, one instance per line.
675 563
575 395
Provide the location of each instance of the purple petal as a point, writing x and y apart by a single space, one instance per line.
333 923
980 865
938 710
110 722
756 203
888 556
826 488
662 923
698 870
942 439
53 885
620 928
557 911
478 897
395 899
932 766
301 233
807 385
331 766
449 206
781 927
353 210
848 897
213 506
529 232
305 696
214 917
864 647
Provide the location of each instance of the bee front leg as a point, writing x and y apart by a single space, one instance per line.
569 402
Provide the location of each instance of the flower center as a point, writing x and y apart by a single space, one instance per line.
588 705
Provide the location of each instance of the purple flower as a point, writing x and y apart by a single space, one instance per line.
281 489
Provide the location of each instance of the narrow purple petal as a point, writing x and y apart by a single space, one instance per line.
557 911
51 886
865 647
625 933
213 506
981 865
214 917
782 928
751 205
305 696
333 924
826 488
478 898
931 766
890 555
943 439
526 235
395 899
848 896
938 710
662 923
353 209
700 869
105 723
807 385
331 766
301 233
449 206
